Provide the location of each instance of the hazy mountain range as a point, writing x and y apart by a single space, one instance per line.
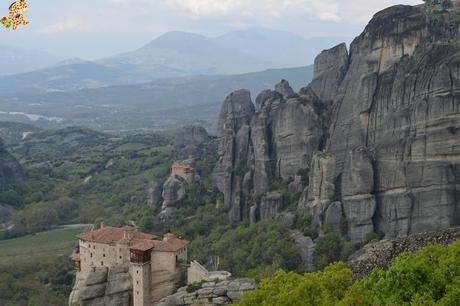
159 104
15 60
176 54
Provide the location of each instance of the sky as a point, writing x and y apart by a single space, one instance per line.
92 29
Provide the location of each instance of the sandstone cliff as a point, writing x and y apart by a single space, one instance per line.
375 133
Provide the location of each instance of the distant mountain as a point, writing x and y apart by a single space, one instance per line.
14 60
160 104
177 54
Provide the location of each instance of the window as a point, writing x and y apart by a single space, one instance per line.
91 255
137 282
137 272
120 257
102 263
137 292
103 255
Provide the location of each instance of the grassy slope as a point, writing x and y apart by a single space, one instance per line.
41 248
36 270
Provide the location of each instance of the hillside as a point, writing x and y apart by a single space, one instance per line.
173 55
159 105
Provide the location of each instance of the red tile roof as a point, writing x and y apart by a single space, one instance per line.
142 245
109 235
136 241
171 245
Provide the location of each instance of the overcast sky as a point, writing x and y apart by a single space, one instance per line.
97 28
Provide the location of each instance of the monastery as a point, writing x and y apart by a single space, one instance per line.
149 258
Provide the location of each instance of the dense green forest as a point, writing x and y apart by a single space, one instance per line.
430 276
79 176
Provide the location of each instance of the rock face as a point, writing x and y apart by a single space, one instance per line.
330 69
275 140
104 287
211 293
11 172
188 140
154 194
284 89
382 253
234 151
267 208
399 100
174 190
385 118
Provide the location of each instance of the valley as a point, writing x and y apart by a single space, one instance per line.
331 184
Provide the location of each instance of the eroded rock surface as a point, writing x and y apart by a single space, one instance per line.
103 287
211 293
382 253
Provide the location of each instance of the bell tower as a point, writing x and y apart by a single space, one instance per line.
140 257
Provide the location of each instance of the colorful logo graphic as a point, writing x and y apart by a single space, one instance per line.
15 16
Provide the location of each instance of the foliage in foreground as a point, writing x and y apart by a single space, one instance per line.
430 276
248 250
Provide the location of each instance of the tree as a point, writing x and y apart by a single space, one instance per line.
447 4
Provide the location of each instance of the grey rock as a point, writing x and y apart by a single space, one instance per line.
98 276
92 292
233 151
287 219
296 185
104 287
284 89
270 205
306 248
234 296
385 116
188 140
382 253
330 69
321 191
154 194
357 194
221 300
334 217
190 136
174 190
219 293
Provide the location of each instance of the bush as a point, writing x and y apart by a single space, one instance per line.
430 276
257 249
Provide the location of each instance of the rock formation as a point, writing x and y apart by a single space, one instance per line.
381 254
274 141
188 140
384 117
211 293
173 191
11 172
104 287
233 172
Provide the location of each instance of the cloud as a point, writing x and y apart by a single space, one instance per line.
71 24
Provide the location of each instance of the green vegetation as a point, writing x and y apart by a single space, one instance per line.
36 270
430 276
255 251
79 176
